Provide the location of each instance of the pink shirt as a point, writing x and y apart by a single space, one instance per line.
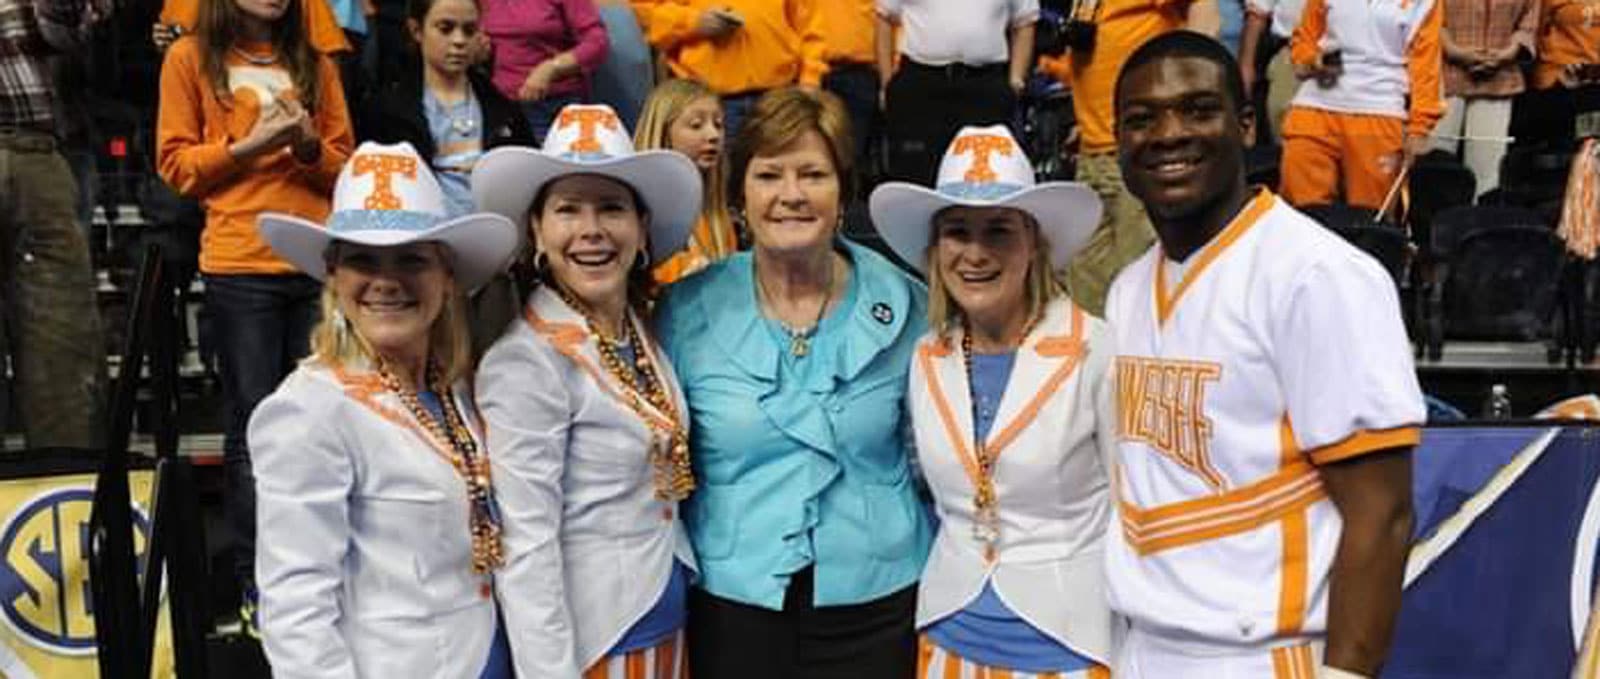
527 32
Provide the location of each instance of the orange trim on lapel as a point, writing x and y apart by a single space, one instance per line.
1241 223
568 337
364 389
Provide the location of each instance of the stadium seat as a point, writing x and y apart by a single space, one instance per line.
1531 175
1459 304
1438 182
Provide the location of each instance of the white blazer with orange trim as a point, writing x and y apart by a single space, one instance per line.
1054 433
364 547
589 548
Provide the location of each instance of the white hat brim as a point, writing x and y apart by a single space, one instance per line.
481 244
1068 214
506 180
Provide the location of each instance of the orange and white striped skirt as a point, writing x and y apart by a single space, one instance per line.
667 660
934 662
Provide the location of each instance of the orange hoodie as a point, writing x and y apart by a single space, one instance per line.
780 43
194 129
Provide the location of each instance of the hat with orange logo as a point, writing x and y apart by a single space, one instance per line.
386 196
590 139
985 167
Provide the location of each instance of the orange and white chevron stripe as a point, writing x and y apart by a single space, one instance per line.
667 660
934 662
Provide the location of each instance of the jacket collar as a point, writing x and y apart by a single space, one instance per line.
880 306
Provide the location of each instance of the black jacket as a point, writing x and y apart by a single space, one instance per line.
395 115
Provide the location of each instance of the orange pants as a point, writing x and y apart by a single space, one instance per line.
1323 150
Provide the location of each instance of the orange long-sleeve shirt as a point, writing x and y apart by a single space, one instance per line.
1370 83
194 130
322 27
1123 25
1566 36
847 27
780 43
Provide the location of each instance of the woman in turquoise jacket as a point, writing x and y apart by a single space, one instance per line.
793 358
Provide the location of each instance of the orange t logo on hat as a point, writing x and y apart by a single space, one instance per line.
384 167
980 146
587 119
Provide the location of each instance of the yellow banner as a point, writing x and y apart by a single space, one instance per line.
46 616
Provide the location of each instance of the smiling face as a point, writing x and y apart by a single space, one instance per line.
392 295
591 229
792 197
697 133
445 35
1180 136
983 255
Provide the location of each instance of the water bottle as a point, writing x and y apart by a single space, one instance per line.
1498 405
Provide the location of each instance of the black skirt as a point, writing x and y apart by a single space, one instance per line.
871 640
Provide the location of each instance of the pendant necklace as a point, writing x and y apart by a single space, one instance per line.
800 337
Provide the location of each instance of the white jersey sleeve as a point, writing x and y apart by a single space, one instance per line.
1344 362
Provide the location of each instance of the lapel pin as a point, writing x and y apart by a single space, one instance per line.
882 313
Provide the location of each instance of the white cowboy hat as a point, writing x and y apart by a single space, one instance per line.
386 195
590 139
985 167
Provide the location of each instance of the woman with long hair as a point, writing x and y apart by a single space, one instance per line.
686 116
251 118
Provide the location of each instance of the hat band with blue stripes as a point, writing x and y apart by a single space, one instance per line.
382 220
978 191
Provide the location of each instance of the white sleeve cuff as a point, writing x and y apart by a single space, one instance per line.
1335 673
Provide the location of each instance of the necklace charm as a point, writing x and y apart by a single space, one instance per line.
463 125
799 345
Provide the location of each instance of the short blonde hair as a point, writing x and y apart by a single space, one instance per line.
781 117
668 101
335 342
1040 288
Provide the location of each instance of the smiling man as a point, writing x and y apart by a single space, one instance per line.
1266 405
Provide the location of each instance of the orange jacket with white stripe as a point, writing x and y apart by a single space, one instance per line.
1277 349
1390 51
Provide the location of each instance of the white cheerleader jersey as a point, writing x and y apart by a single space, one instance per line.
1280 348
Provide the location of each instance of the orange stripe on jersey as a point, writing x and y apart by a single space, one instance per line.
952 666
1099 672
924 656
598 671
667 658
1293 662
1216 516
1367 441
1240 224
1295 538
635 664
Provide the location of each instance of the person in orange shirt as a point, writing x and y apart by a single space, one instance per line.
1371 91
686 116
1566 77
738 48
1120 26
251 118
179 17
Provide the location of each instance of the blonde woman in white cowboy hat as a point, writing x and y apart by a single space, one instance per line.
587 433
378 531
1010 402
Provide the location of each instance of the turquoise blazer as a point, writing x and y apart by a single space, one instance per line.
800 460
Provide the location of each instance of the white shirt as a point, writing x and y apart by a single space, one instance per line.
1285 14
971 32
1280 350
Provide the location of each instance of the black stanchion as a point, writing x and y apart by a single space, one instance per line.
126 609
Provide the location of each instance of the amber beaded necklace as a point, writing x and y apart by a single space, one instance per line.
468 461
985 503
669 448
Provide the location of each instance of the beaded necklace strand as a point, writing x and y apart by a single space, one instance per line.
669 449
985 502
468 461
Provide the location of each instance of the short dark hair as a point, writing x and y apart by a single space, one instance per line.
1180 44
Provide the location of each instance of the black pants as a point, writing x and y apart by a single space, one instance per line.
1547 118
857 87
926 105
873 640
263 327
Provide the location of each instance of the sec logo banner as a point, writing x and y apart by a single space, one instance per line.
44 574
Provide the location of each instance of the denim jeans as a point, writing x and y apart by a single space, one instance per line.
48 312
263 327
623 79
